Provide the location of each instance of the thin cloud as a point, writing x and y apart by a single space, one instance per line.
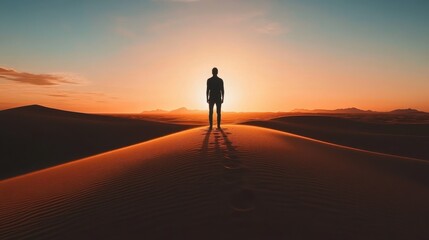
78 94
33 78
270 28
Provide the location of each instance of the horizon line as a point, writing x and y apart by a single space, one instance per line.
185 109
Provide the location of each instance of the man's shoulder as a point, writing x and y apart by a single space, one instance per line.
215 79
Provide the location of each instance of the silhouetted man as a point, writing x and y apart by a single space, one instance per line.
215 95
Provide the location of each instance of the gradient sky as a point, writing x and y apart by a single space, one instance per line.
130 56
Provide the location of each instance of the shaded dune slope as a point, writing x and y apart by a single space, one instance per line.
35 137
409 140
241 182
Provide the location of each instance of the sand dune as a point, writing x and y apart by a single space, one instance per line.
35 137
241 182
403 139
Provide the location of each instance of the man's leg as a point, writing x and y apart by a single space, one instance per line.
211 105
218 111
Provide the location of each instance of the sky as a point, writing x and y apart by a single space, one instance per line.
274 55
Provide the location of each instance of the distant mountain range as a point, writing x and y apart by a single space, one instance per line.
357 110
406 111
156 111
181 110
341 110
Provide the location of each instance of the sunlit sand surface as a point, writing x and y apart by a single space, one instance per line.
236 183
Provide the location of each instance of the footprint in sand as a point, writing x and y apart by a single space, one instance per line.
229 164
242 200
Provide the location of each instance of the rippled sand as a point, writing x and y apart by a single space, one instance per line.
235 183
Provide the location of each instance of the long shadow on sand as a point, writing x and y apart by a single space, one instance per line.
218 147
222 145
205 145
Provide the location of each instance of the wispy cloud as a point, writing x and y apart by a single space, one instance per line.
34 78
77 94
270 28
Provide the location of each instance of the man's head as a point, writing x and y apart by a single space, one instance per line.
214 71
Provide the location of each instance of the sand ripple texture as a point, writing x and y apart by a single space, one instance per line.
236 183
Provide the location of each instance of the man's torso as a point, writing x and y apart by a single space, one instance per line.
215 84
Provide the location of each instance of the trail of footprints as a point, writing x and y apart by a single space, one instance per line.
240 198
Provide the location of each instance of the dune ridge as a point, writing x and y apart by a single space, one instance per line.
241 182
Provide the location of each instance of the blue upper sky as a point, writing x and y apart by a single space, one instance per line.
59 28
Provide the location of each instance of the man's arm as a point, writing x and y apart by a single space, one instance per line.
222 91
207 91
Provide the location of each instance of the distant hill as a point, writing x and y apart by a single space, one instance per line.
182 110
341 110
40 110
357 110
156 111
407 111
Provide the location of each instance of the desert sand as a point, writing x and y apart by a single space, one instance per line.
236 183
396 134
35 137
